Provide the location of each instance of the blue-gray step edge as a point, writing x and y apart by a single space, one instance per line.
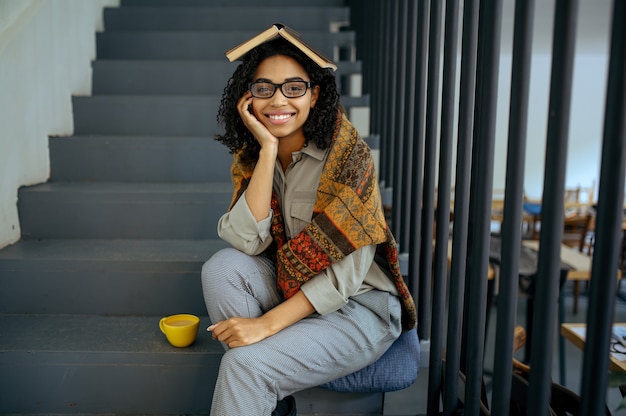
117 277
185 77
156 115
141 115
118 210
239 3
87 364
138 159
237 18
91 364
204 44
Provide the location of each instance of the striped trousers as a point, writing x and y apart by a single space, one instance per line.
313 351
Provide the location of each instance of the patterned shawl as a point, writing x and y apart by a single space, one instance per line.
347 215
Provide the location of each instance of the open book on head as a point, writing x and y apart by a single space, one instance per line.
285 32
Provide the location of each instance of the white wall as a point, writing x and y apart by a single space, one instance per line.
588 96
46 48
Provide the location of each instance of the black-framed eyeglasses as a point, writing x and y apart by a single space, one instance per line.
290 89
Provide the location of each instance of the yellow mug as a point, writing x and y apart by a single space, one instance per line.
180 330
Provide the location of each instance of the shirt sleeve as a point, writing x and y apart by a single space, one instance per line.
239 228
330 290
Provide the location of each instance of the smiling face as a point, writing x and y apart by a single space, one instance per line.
282 116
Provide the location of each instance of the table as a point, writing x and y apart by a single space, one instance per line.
576 334
580 263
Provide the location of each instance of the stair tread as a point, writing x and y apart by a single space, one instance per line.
137 188
189 44
159 251
133 158
120 277
123 210
122 137
223 18
150 98
213 64
233 8
315 38
97 334
222 3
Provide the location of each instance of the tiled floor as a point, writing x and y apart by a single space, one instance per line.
412 401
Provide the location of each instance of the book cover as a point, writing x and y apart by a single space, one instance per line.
276 30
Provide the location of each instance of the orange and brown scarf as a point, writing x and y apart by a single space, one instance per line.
347 215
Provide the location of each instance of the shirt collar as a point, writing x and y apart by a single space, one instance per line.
312 150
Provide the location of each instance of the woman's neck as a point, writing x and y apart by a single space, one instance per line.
286 148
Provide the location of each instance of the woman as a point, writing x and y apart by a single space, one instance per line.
311 290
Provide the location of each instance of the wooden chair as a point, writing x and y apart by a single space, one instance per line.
575 234
577 201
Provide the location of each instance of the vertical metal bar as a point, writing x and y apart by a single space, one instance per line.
443 203
386 149
480 202
432 106
603 283
415 44
391 29
549 263
392 92
461 205
399 184
415 277
377 65
513 201
371 29
358 16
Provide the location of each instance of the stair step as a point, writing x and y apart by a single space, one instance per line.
138 159
119 277
108 210
239 3
192 77
223 18
203 44
72 364
92 364
136 115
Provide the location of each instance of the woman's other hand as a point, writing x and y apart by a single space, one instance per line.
238 332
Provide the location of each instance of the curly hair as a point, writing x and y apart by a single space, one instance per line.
320 124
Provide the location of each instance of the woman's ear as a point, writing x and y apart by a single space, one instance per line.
315 93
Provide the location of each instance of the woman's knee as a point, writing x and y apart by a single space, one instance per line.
230 267
216 268
222 261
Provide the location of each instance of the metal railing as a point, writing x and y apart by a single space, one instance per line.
413 107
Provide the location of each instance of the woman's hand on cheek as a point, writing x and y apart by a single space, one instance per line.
258 130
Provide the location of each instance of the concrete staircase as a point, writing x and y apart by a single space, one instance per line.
116 239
